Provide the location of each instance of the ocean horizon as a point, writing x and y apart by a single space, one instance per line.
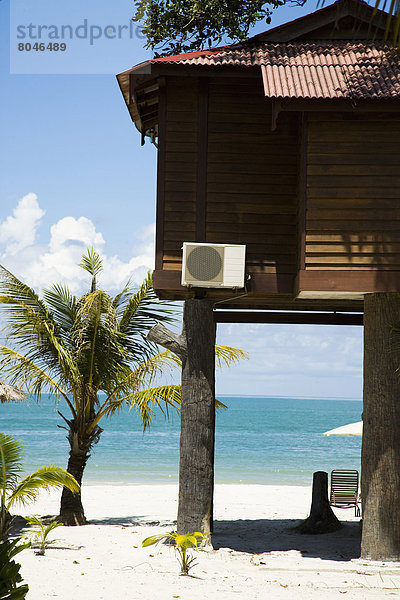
270 440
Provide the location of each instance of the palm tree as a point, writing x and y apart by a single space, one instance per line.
14 491
78 348
392 32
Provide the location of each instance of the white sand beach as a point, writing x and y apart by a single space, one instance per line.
255 555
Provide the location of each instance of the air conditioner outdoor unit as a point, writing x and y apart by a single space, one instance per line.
213 265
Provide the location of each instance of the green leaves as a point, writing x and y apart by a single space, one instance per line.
182 542
41 533
164 397
47 477
10 463
10 577
139 312
12 490
184 25
92 262
188 540
153 539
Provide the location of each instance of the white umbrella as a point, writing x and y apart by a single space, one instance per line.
350 429
9 393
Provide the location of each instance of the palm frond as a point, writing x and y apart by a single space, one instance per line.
144 292
143 375
32 327
24 373
10 462
46 477
63 306
143 310
18 296
95 308
101 355
163 397
224 356
121 300
227 356
93 264
219 405
157 365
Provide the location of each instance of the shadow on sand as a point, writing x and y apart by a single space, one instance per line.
256 536
274 535
136 521
267 535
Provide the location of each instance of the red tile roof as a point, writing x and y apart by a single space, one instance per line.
325 69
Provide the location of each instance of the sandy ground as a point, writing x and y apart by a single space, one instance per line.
255 555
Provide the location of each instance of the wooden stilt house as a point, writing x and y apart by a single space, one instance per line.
289 143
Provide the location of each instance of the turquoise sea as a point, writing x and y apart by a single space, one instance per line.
265 440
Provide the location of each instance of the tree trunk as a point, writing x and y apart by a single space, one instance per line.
196 348
380 457
196 468
71 510
322 519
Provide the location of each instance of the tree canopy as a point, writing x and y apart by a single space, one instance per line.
176 26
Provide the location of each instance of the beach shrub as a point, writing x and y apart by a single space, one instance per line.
92 354
182 541
41 533
14 490
10 577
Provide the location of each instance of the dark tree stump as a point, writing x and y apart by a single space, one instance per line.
322 519
196 347
380 455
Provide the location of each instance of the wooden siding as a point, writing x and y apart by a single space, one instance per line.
180 168
353 192
251 175
249 178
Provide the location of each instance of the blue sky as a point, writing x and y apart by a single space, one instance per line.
74 175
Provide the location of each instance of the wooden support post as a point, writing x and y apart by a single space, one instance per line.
322 519
380 456
196 347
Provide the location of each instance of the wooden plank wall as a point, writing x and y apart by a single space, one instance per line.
180 168
252 175
353 192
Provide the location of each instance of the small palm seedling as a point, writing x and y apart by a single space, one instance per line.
10 577
40 534
182 542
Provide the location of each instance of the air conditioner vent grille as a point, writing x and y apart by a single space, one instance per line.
205 263
213 265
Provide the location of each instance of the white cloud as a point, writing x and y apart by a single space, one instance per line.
19 231
40 264
70 232
294 360
117 272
